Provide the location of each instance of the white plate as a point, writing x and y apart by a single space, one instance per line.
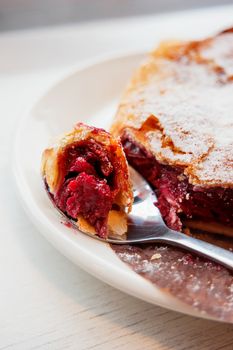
89 95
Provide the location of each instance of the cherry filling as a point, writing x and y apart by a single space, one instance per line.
87 187
177 198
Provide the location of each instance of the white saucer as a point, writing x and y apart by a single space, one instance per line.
89 95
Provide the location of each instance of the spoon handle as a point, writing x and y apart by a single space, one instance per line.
201 248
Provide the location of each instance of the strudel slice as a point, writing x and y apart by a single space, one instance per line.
175 121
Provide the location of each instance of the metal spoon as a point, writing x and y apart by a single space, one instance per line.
145 225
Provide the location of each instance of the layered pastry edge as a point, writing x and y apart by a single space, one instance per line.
183 206
86 174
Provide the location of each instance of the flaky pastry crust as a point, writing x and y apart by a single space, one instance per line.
179 105
53 173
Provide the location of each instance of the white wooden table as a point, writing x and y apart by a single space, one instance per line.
45 301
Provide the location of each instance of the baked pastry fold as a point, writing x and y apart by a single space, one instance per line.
87 177
175 121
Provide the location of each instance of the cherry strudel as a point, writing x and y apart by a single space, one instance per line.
87 177
175 121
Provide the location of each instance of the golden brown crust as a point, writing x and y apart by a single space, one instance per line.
53 173
179 105
210 227
117 224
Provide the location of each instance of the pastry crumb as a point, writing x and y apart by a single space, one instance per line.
187 231
155 256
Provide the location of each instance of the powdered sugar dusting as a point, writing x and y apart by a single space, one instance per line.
206 286
188 89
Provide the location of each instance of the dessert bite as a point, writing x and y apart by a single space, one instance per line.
87 177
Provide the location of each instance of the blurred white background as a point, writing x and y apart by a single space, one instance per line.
20 14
